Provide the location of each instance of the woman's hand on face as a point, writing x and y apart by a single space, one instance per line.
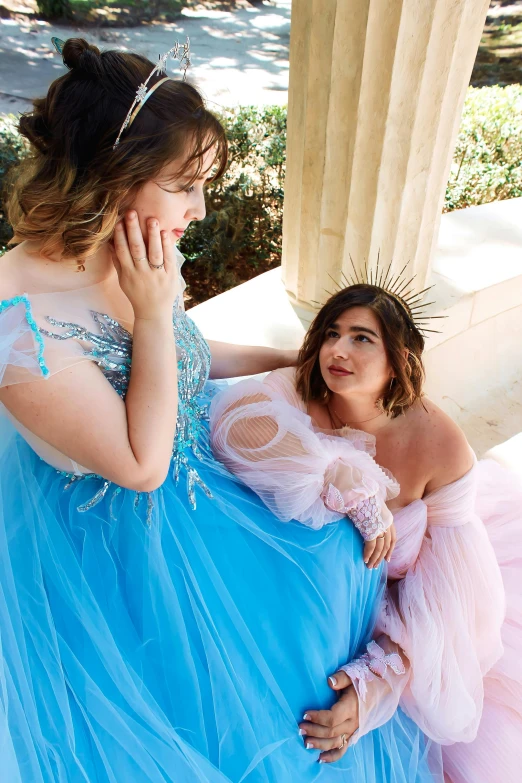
323 730
151 292
380 548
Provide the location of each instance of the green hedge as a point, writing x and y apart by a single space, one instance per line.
241 235
487 164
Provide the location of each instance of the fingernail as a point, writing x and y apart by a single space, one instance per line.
333 681
366 561
302 732
132 215
306 716
309 746
321 761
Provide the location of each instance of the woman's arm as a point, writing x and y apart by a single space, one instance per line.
233 361
271 446
444 617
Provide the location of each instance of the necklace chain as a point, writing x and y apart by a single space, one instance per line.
365 421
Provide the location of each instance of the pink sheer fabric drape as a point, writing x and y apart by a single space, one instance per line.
445 612
496 752
273 448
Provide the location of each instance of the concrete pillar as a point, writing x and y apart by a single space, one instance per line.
375 99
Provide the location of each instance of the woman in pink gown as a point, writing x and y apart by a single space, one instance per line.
452 609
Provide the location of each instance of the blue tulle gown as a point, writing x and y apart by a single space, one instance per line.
173 637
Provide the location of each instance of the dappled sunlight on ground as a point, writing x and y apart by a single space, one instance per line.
239 57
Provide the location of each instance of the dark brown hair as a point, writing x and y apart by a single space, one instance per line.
72 189
398 333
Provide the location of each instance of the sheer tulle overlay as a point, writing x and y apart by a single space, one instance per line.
144 639
496 753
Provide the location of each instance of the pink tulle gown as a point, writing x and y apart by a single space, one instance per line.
496 753
453 607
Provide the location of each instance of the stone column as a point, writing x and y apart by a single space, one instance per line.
375 99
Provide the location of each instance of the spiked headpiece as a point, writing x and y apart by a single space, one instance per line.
397 286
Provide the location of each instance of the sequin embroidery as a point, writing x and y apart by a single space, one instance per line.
111 349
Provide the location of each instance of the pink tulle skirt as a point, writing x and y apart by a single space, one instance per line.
495 756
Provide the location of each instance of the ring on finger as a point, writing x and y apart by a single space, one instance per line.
379 537
139 260
343 742
156 266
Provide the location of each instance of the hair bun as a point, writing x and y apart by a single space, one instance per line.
79 55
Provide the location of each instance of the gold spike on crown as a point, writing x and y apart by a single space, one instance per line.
399 288
180 52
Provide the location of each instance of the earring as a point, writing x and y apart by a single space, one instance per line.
80 267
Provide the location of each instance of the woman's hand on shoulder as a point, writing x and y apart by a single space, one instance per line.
449 454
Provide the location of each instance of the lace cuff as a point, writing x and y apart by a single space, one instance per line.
366 515
372 663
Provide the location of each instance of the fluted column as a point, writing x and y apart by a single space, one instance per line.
375 98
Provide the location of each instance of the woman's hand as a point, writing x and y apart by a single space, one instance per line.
380 548
151 291
330 730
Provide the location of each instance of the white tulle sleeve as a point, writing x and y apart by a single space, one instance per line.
443 618
270 444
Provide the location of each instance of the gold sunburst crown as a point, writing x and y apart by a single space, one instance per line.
397 286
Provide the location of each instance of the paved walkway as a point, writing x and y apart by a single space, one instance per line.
239 57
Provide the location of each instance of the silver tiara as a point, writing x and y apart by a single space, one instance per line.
180 52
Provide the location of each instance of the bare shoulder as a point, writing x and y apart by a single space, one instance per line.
10 284
440 443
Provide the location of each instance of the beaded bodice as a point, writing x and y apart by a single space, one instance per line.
109 344
111 348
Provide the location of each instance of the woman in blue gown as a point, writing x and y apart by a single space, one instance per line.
152 629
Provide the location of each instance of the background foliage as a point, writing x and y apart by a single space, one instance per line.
241 235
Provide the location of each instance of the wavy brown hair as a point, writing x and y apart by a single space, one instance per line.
69 193
399 333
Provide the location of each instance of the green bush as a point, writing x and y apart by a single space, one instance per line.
12 149
55 9
241 235
487 164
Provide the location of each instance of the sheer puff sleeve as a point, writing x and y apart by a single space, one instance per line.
21 345
444 617
262 434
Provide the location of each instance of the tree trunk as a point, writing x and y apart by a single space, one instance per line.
55 9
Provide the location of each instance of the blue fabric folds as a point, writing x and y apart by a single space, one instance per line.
179 652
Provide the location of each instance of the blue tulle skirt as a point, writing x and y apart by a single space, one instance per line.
181 651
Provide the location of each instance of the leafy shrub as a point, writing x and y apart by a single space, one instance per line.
12 149
241 235
487 164
55 9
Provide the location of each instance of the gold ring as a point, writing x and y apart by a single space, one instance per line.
383 536
138 260
343 742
